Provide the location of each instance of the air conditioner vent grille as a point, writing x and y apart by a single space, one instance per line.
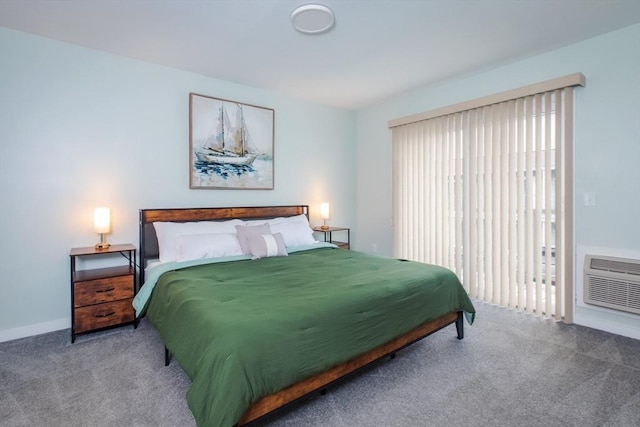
618 265
612 282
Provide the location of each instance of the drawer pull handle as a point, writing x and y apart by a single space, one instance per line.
111 313
100 291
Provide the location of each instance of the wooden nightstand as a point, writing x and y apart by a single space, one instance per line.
328 235
102 297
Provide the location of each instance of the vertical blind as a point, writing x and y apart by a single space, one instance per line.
487 192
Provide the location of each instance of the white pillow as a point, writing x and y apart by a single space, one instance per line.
296 218
295 230
167 232
267 245
253 222
211 245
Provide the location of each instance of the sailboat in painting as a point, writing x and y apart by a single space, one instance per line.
231 144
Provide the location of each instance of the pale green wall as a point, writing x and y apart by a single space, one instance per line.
607 147
81 128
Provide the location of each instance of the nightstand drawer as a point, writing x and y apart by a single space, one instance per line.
102 315
102 290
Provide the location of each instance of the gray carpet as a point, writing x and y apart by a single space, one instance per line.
510 370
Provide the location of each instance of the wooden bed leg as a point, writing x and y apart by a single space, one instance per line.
460 326
167 356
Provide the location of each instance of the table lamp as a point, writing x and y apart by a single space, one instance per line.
101 225
324 214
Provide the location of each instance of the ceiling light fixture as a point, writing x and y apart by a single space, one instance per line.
312 19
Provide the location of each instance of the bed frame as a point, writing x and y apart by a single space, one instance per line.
149 251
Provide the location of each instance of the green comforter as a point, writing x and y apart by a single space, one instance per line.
245 329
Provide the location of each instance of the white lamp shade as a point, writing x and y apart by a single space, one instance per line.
324 210
101 220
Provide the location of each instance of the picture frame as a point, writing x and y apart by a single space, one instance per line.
231 144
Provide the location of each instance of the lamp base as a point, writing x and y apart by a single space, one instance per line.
102 245
324 227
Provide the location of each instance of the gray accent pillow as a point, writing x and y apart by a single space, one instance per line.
246 231
267 245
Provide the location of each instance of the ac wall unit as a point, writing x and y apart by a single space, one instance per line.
612 282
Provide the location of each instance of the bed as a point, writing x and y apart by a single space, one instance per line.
257 330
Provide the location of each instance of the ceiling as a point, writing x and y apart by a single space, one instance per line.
377 48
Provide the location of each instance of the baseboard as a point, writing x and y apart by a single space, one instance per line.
36 329
624 324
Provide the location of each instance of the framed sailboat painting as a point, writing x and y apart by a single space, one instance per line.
230 144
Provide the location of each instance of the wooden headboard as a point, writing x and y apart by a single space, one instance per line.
149 241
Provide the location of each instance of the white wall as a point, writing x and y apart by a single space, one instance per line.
607 147
81 128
